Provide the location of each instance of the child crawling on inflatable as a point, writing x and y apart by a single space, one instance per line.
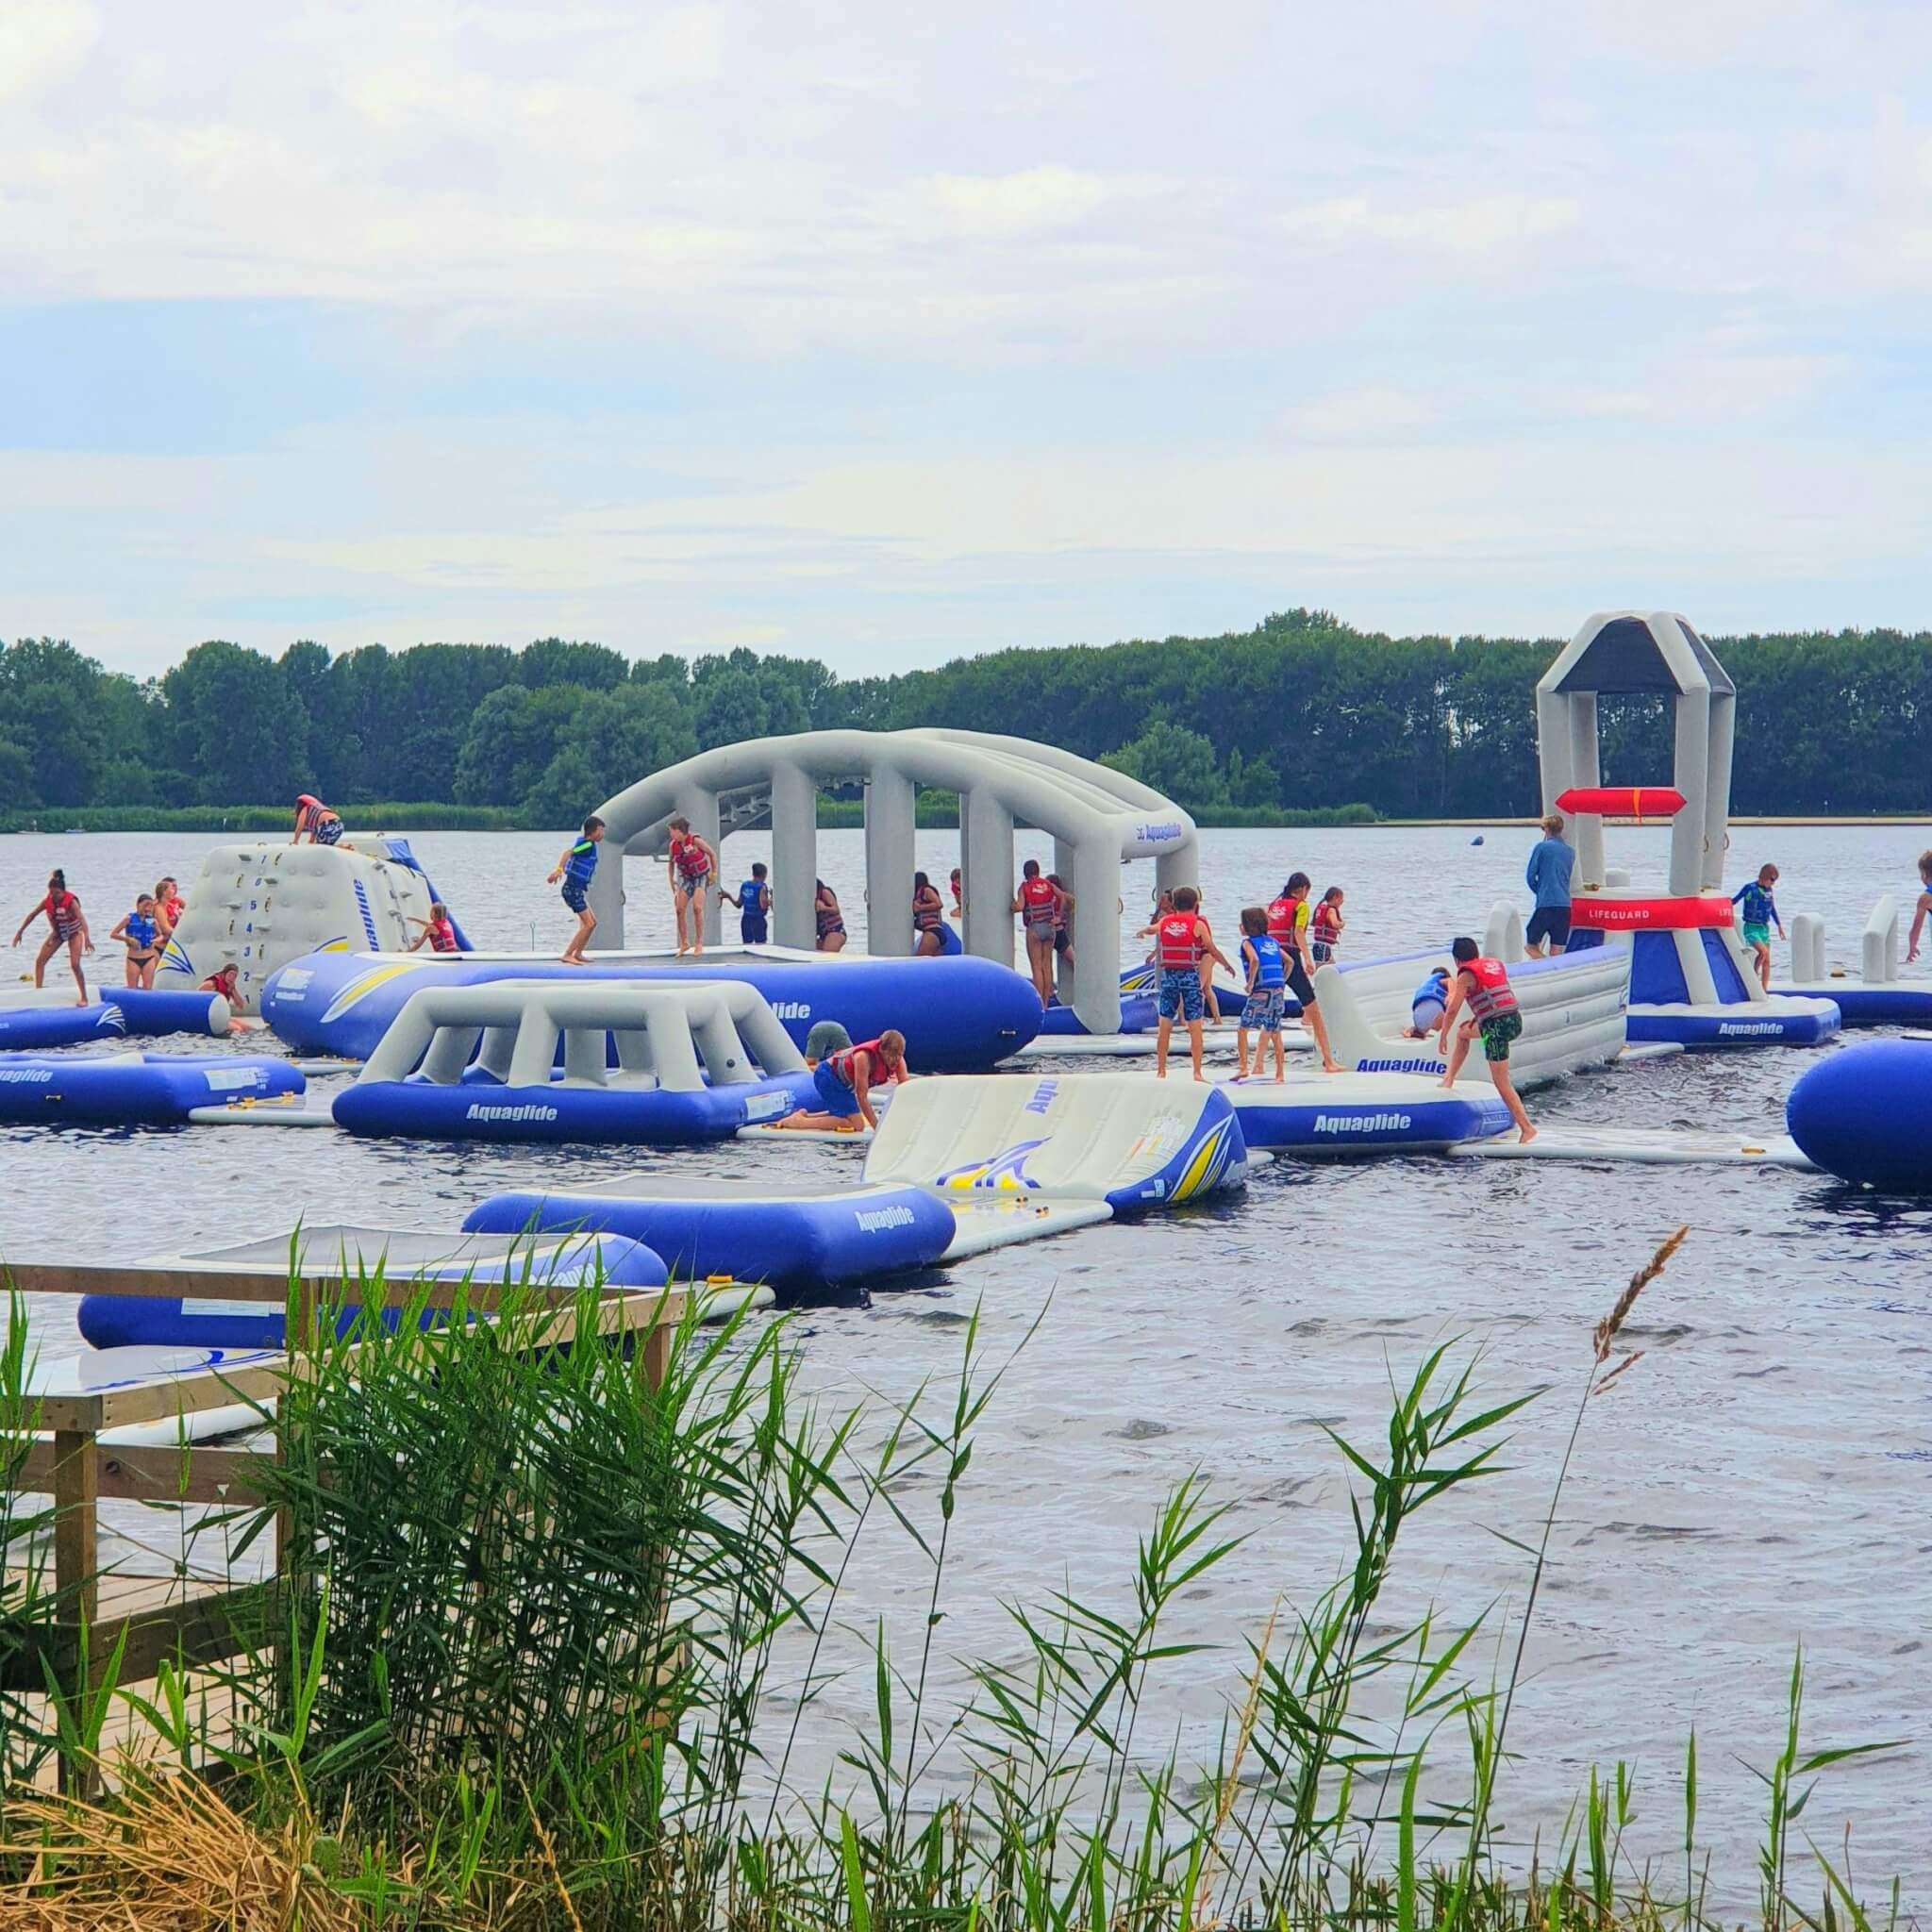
1482 985
845 1079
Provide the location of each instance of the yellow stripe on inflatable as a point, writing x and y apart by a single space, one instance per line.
367 983
1204 1169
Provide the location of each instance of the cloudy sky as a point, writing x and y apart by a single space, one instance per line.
887 333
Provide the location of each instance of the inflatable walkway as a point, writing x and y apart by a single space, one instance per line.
136 1089
959 1015
1874 996
1315 1114
644 1061
958 1167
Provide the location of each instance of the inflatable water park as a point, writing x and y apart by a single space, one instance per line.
967 1086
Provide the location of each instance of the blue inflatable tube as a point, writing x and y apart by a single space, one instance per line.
961 1015
1871 1005
1865 1115
145 1010
1747 1022
116 1321
34 1029
135 1089
791 1239
486 1111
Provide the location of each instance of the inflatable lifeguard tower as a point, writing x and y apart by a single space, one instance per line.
1691 981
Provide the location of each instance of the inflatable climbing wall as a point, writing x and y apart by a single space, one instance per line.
257 906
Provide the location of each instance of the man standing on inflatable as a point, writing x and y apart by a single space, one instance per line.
1483 985
693 866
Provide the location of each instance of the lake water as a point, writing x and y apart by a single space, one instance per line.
1760 1479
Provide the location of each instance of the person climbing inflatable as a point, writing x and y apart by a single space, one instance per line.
438 931
693 864
315 821
1482 983
844 1080
1426 1006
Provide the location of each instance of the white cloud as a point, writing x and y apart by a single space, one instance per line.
1019 204
42 42
1476 224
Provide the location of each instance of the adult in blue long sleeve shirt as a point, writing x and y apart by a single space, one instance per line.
1547 875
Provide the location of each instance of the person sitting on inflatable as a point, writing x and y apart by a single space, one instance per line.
67 926
753 899
315 821
1181 943
845 1079
137 931
438 931
1427 1004
694 865
1758 913
577 866
1482 983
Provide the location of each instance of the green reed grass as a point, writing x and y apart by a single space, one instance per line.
537 1610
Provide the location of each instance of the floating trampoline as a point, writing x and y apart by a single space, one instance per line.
208 1321
136 1089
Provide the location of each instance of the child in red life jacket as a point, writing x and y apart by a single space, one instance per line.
1181 941
438 931
1482 983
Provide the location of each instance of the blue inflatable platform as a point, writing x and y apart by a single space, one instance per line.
136 1089
1358 1113
789 1238
35 1029
1865 1115
114 1320
479 1109
959 1015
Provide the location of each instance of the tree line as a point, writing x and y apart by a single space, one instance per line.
1302 711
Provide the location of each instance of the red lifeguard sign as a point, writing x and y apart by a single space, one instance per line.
1603 913
1639 802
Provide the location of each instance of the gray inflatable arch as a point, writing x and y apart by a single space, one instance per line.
1096 817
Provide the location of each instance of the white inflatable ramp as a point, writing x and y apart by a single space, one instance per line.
1641 1146
1122 1138
985 1223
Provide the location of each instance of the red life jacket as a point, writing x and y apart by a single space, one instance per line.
1178 937
63 913
689 857
841 1061
1489 993
1039 902
1282 915
443 935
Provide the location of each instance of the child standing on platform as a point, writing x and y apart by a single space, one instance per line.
576 867
1758 914
1267 980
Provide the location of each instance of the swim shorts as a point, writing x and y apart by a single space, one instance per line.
1063 940
693 883
1550 922
1262 1009
1497 1032
753 932
1299 983
327 831
1323 951
1426 1015
1180 994
1757 935
836 1097
573 894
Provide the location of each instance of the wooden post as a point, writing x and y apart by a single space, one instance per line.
658 1344
77 1569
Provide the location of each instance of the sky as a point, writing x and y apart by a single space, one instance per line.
888 334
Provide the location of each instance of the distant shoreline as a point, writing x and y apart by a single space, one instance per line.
257 821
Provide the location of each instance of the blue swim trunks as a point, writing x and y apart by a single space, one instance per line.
835 1097
573 894
1262 1009
1180 993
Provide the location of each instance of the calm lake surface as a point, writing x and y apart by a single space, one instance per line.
1761 1478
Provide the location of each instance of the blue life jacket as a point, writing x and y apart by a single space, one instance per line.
1436 986
582 861
751 909
139 930
1268 967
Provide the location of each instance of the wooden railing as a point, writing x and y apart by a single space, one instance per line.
177 1618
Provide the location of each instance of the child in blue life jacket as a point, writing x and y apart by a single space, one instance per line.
1427 1004
1756 915
753 899
577 866
138 933
1266 983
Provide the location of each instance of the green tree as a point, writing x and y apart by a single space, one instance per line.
233 724
513 736
729 705
553 661
1174 761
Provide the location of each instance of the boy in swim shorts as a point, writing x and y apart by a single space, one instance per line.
1181 943
753 899
1758 914
1483 986
577 866
1266 987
